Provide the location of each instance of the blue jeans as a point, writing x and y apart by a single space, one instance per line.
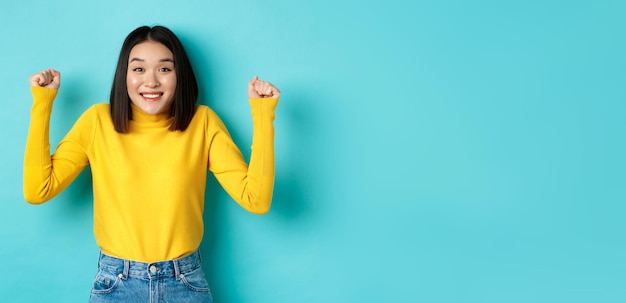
180 280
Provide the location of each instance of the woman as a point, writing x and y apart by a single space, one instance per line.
149 150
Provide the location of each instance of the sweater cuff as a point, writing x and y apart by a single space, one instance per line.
263 104
43 94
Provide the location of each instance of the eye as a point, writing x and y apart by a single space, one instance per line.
138 69
165 69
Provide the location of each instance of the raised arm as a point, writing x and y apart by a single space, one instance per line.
250 185
44 175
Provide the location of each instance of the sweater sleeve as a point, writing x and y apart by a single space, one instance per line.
249 185
47 175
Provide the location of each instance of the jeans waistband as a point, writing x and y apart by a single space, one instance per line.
173 268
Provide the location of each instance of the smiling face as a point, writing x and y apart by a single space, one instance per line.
151 77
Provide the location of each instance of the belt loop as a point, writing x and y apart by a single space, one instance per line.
126 268
99 259
176 269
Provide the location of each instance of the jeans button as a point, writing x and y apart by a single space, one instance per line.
153 269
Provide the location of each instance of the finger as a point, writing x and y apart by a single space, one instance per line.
35 80
260 86
253 81
42 79
251 90
270 90
264 90
47 77
275 92
56 76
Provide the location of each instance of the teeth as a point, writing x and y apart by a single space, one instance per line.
151 95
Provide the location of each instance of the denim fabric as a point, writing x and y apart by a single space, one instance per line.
180 280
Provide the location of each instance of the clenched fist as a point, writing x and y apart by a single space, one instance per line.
49 78
262 89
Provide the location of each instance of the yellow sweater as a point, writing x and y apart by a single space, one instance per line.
149 184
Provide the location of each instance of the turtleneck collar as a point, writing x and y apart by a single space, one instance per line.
141 117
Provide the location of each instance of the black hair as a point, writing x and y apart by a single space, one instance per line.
185 95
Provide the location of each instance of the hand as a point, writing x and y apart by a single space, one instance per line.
49 78
262 89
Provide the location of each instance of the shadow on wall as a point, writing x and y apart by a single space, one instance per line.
296 143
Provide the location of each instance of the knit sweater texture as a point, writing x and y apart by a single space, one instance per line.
149 184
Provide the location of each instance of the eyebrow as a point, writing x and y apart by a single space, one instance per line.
142 60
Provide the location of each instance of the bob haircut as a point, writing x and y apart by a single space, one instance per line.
185 95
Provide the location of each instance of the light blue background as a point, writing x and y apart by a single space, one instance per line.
427 151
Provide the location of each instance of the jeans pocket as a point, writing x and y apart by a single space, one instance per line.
105 282
195 280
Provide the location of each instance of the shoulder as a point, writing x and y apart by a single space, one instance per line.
101 108
205 112
209 119
94 114
97 109
203 109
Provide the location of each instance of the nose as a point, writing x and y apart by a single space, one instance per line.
151 80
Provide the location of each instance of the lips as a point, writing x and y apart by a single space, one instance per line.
151 96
